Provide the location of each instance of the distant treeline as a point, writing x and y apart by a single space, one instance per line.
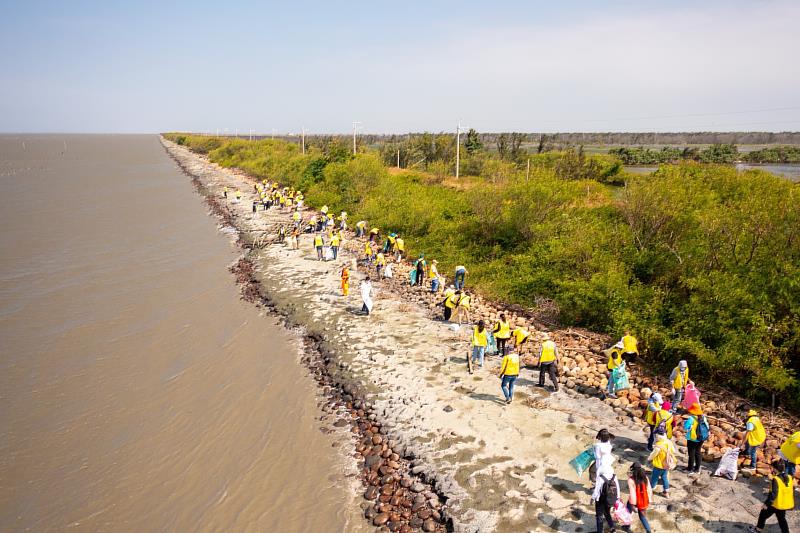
701 261
596 138
717 153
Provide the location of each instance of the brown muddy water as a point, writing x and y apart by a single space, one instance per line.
138 392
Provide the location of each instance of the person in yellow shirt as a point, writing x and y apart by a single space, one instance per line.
450 301
548 362
433 275
318 244
790 453
369 253
361 228
480 340
679 379
335 241
225 192
662 458
779 500
630 346
462 309
520 336
380 264
400 248
664 419
238 195
614 361
509 372
502 332
754 436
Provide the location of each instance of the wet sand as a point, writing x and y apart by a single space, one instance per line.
501 468
139 392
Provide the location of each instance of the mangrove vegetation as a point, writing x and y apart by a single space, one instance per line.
700 260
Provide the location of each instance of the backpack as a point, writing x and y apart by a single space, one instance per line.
702 429
670 462
609 490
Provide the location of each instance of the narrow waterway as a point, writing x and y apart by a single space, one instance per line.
138 392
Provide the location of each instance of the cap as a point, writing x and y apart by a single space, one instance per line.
657 397
683 364
695 409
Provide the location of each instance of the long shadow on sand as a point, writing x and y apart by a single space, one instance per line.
487 398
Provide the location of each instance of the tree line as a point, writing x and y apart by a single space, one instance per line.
702 261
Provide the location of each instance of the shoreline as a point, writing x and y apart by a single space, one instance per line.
492 467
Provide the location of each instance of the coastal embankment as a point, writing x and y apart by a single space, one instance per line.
436 447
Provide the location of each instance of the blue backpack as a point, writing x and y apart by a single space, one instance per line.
702 429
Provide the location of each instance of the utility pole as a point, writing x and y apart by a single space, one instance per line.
398 158
251 134
303 139
356 124
273 133
458 149
528 171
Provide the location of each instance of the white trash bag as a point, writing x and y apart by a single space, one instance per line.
729 464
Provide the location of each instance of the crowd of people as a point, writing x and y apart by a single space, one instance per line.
662 416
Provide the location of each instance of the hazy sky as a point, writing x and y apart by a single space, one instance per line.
142 66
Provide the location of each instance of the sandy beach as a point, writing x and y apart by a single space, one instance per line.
439 437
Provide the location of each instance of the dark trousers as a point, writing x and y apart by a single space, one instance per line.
694 455
448 311
651 439
602 510
549 368
780 515
501 345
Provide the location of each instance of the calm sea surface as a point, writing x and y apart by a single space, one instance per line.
138 392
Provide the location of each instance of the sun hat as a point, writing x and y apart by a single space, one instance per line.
657 398
683 364
666 405
695 409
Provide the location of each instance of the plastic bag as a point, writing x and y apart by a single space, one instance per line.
583 461
620 377
412 276
327 253
728 465
491 345
690 396
621 514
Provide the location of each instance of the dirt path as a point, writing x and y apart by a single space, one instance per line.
502 468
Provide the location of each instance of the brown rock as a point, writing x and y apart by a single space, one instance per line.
429 525
380 519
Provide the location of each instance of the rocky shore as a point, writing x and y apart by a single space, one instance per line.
435 447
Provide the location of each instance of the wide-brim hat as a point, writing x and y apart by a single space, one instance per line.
695 409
